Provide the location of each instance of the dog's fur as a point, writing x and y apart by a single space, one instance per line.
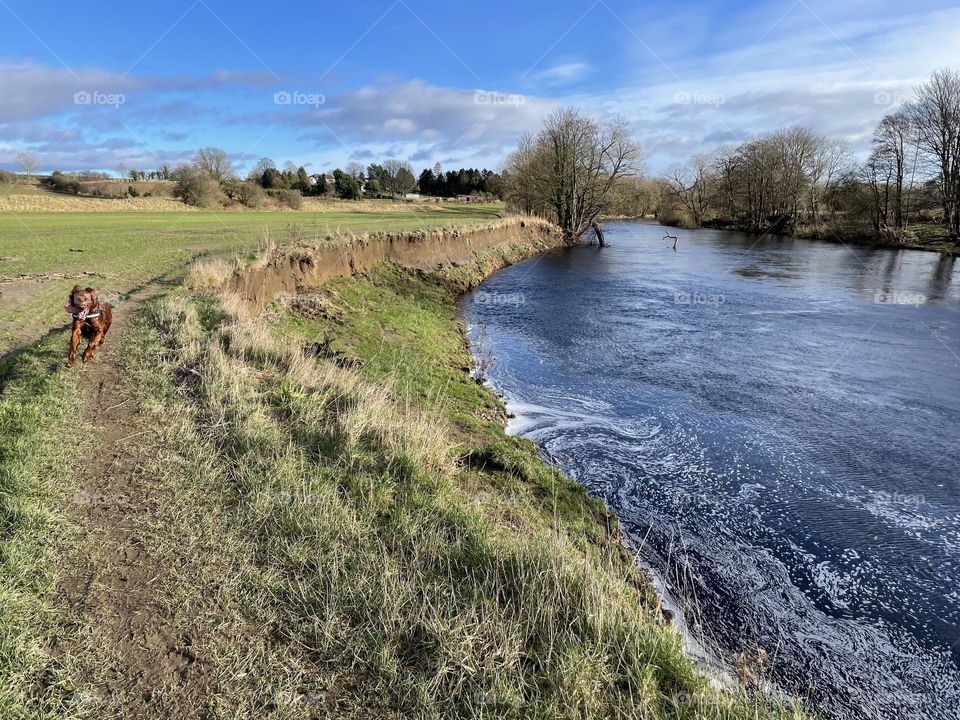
94 329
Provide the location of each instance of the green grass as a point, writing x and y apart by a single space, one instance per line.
36 410
932 237
127 249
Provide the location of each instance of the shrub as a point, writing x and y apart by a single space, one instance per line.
59 182
7 178
132 191
291 198
248 193
108 190
195 187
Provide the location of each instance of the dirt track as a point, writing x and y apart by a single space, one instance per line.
135 663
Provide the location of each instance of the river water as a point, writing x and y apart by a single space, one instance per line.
777 424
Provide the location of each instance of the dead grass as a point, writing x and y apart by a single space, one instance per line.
209 274
49 202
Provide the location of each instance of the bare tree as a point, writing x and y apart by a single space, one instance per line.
397 177
892 146
568 170
263 164
936 115
519 174
356 170
691 187
829 165
767 183
28 162
215 163
877 178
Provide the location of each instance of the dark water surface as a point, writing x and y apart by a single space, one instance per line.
777 422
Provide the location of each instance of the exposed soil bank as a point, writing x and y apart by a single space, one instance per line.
299 268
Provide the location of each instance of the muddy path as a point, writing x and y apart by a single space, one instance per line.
128 657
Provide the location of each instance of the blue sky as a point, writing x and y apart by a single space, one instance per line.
108 84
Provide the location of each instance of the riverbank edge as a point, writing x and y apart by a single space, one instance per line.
461 260
285 272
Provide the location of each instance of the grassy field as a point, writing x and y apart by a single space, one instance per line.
118 251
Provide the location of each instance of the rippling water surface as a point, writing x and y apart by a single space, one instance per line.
777 424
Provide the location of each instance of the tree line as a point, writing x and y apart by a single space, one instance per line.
798 181
391 178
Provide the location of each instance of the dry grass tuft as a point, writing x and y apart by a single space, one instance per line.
209 274
62 203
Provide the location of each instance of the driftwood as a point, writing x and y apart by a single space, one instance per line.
598 232
672 237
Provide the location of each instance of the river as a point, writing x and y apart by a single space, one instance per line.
776 422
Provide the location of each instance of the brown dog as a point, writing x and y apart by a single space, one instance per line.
91 319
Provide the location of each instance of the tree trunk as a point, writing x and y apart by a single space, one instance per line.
598 231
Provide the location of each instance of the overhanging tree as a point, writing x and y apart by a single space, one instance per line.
568 170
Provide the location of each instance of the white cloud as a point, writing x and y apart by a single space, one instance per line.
563 73
29 90
838 80
425 118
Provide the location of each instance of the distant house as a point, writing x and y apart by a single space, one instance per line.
412 196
